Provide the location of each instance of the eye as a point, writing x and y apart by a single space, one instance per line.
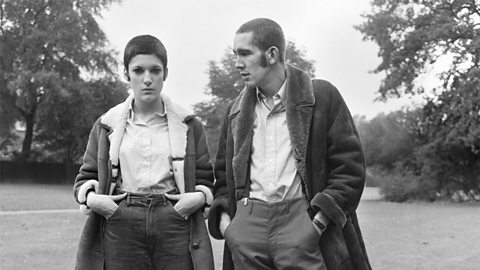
244 52
156 70
138 70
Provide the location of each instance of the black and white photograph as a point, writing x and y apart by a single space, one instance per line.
239 135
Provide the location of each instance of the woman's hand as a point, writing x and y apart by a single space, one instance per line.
103 204
224 222
187 203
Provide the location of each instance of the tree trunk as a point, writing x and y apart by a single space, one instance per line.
28 139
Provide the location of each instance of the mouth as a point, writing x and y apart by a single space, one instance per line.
245 75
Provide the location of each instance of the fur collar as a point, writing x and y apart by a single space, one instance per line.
298 92
116 120
300 100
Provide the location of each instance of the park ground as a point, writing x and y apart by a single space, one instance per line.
40 227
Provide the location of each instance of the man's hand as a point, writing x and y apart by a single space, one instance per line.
187 203
319 231
224 222
103 204
321 218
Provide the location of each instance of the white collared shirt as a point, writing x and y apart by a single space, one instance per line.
272 170
145 155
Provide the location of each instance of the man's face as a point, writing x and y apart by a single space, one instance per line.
146 74
250 60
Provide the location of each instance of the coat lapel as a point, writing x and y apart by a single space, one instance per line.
242 130
177 130
299 110
300 101
116 119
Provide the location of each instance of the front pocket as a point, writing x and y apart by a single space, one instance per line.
174 212
116 212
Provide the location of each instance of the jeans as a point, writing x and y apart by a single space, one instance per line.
145 232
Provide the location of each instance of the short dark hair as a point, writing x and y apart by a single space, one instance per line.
266 33
144 44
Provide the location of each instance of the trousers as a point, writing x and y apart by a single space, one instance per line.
267 236
145 232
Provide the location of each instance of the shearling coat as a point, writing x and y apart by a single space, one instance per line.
97 165
328 157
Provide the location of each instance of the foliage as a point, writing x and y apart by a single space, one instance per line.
48 47
64 129
418 39
226 83
388 138
414 35
400 185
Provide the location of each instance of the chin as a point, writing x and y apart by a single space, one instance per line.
148 98
250 84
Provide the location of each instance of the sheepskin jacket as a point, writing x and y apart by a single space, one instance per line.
193 169
328 157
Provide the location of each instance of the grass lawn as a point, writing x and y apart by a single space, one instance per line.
417 235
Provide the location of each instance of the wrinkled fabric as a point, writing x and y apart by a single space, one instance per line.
197 170
328 157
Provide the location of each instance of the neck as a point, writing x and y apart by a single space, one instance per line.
147 108
274 80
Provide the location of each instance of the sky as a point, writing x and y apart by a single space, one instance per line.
198 31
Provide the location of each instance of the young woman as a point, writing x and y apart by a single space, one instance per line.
146 177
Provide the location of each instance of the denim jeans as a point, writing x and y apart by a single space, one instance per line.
145 232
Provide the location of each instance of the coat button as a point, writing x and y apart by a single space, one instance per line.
196 245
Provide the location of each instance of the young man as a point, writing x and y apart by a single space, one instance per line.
290 168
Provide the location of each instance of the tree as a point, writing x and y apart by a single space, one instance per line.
46 47
440 37
64 139
415 35
388 139
226 83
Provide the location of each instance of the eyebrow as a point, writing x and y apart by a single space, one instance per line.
149 67
242 51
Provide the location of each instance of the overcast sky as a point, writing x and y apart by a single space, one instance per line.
197 31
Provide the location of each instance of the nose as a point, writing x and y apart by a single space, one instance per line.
147 80
238 63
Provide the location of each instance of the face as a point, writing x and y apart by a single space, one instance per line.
146 74
250 60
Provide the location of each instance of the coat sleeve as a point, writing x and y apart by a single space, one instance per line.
89 168
345 163
220 202
203 165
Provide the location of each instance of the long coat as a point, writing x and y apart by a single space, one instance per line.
328 157
97 165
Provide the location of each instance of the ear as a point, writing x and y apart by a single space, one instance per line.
272 55
165 74
125 73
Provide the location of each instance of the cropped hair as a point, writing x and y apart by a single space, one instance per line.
144 44
266 33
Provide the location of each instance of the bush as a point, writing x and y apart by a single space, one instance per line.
372 177
400 186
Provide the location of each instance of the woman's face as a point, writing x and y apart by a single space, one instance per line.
146 75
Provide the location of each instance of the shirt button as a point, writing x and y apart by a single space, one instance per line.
196 245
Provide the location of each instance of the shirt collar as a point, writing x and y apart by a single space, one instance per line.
131 113
280 94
